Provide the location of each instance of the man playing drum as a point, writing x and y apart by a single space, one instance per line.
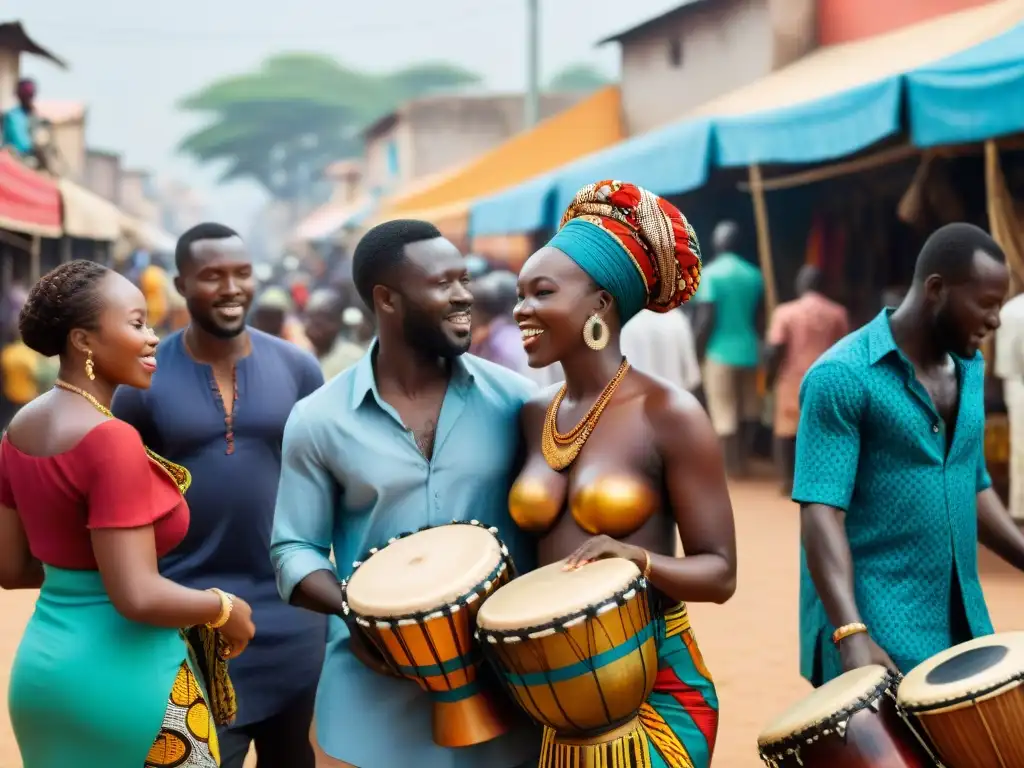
414 434
890 471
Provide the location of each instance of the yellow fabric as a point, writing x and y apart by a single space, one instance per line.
20 366
589 126
153 283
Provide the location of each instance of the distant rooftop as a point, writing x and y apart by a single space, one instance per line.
13 37
645 26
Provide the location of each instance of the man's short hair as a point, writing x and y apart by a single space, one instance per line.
949 252
206 231
382 249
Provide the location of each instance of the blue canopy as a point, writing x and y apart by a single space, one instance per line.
973 95
816 131
670 160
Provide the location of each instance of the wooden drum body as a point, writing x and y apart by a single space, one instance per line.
416 601
970 702
576 649
850 722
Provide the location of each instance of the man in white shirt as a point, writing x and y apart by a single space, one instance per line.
1010 368
662 344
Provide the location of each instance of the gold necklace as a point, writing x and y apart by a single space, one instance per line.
181 476
560 450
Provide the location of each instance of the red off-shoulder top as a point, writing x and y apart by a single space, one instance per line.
105 481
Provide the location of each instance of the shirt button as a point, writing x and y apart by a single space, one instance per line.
935 428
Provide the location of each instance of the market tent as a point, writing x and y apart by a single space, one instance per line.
590 125
671 159
87 215
970 96
833 102
842 98
331 217
29 201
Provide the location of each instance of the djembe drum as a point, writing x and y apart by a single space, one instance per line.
578 651
850 722
416 601
970 702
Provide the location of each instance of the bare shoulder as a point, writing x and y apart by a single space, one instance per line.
534 410
53 423
674 416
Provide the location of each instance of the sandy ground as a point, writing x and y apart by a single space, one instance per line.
750 644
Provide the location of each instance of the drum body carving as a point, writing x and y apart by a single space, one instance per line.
578 651
970 702
850 722
416 601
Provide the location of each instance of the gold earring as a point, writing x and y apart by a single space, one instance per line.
595 332
89 367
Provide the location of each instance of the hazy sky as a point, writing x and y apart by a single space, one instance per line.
132 60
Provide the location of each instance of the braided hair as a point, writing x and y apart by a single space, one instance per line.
66 298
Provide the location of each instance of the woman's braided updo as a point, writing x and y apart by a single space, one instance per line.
63 299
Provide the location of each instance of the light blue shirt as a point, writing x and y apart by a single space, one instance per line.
735 287
353 477
17 130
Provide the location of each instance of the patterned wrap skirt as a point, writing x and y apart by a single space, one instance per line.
91 689
679 721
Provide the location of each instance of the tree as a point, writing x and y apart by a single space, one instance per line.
578 77
281 124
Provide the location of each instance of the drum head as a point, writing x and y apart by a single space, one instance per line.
847 692
964 673
424 571
550 593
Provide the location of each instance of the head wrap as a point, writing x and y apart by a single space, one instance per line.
633 244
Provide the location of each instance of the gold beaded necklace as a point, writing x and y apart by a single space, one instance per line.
181 476
560 450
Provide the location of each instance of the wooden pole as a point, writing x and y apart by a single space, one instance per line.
35 252
764 240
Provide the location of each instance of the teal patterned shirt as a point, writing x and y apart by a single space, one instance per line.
871 443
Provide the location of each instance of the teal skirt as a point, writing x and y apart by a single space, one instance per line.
91 689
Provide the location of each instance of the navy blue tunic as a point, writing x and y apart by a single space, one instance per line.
232 501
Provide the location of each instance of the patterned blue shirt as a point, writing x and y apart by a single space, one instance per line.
871 443
353 477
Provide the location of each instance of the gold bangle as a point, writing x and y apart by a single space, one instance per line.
647 565
847 630
226 604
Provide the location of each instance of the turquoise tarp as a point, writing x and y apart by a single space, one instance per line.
817 131
970 96
974 95
670 160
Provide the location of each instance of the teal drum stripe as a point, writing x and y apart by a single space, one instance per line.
459 694
437 670
573 671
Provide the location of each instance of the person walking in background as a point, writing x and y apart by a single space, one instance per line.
662 344
17 121
273 313
729 319
1010 368
324 329
890 474
800 332
218 406
415 420
84 514
496 337
155 285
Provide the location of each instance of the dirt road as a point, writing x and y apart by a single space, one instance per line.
750 643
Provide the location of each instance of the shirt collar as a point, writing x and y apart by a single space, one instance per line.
365 382
881 343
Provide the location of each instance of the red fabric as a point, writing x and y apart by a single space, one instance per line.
105 481
704 716
657 236
29 202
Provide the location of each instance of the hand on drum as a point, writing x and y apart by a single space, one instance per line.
600 548
860 650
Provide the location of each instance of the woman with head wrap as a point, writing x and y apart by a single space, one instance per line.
618 461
